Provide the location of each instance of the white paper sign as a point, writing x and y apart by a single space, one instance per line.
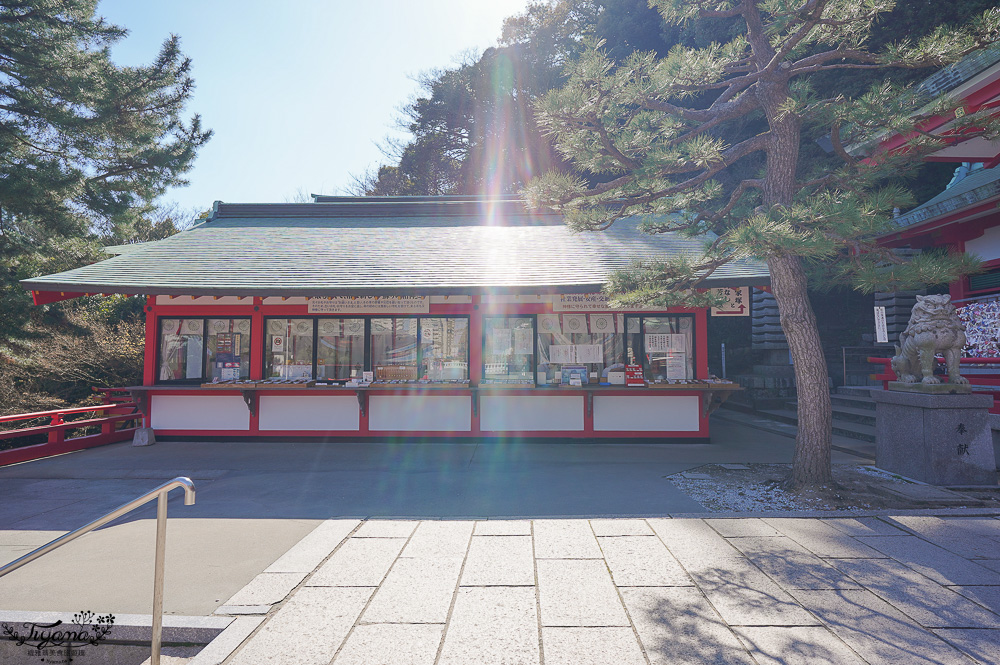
574 354
329 327
881 335
277 344
589 353
548 323
602 324
678 342
500 341
562 353
523 341
574 323
677 366
657 342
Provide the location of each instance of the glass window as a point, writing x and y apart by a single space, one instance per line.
340 349
409 349
181 345
227 348
289 348
665 347
394 349
508 350
444 349
579 346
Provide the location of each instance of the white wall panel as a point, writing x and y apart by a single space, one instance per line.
986 246
309 412
203 300
419 413
646 413
206 412
531 413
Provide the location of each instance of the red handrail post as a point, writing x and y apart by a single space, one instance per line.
57 435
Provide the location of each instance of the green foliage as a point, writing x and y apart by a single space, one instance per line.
86 146
671 137
80 137
474 129
720 140
57 367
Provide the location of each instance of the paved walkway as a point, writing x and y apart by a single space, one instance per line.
839 591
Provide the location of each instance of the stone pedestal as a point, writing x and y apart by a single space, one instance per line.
144 436
937 439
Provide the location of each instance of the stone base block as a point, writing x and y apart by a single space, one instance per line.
931 388
936 439
144 436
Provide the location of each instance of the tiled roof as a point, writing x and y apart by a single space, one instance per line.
387 246
974 188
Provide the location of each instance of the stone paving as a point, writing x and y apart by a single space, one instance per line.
837 591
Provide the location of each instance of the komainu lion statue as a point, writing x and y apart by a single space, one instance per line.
934 328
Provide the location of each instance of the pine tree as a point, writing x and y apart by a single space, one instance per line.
82 138
721 142
85 145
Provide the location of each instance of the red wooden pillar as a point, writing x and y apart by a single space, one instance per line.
476 341
257 340
701 343
149 357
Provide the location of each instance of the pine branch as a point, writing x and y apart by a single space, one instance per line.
838 145
814 10
737 194
719 111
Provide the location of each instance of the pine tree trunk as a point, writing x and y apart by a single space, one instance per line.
811 462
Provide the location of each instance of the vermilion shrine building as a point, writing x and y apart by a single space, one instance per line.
410 316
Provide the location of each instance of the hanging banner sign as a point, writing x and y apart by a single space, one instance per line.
586 302
881 335
737 301
370 304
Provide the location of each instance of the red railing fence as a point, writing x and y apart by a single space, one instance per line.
115 419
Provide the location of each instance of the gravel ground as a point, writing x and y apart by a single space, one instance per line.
760 488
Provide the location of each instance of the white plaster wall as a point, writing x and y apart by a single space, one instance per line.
309 412
986 246
205 412
419 413
642 413
531 413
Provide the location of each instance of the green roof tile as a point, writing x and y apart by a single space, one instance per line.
340 248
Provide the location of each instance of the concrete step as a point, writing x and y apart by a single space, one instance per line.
854 430
848 414
851 402
859 431
855 391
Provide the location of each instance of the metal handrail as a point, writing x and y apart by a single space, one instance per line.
161 541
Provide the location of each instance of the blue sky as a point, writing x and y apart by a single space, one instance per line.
300 93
